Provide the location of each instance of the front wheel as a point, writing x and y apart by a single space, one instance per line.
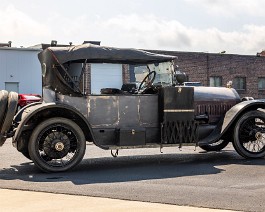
249 135
57 144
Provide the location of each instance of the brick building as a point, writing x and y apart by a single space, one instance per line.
246 72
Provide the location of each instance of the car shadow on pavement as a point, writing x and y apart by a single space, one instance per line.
131 168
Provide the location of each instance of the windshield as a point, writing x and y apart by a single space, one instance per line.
163 72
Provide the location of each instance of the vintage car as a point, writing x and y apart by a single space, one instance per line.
151 109
25 99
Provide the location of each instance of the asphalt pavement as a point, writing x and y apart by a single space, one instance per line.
218 180
17 200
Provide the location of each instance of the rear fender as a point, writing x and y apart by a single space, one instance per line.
18 116
31 116
24 116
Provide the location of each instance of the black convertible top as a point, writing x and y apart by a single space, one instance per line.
94 53
56 60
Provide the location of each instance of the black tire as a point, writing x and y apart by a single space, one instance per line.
26 154
9 114
10 111
23 143
3 105
217 146
249 135
57 145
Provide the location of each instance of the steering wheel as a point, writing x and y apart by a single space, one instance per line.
146 83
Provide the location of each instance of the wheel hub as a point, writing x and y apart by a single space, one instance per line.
258 135
57 148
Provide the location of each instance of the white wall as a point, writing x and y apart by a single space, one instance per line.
105 75
22 66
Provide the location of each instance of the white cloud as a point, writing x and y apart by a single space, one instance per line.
231 8
18 27
137 31
153 33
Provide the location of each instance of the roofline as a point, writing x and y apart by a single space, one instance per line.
206 53
20 49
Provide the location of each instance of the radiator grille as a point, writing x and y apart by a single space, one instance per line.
214 110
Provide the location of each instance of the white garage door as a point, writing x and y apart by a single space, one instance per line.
105 76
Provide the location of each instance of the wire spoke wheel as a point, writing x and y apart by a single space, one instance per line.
57 144
249 136
252 133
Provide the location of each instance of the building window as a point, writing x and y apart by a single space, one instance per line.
261 83
239 83
215 81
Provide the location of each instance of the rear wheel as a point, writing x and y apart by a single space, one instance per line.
217 146
249 135
57 144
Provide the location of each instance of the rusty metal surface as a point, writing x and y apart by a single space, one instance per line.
103 111
123 111
116 111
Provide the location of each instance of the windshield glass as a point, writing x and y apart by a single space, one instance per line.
163 72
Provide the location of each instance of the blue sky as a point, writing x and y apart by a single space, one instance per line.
236 26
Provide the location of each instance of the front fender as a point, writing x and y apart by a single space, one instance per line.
238 109
230 118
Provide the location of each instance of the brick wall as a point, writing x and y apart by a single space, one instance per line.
87 79
125 73
200 66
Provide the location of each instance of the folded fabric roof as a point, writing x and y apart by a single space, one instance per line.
95 54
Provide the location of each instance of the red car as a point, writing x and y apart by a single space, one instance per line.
25 99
